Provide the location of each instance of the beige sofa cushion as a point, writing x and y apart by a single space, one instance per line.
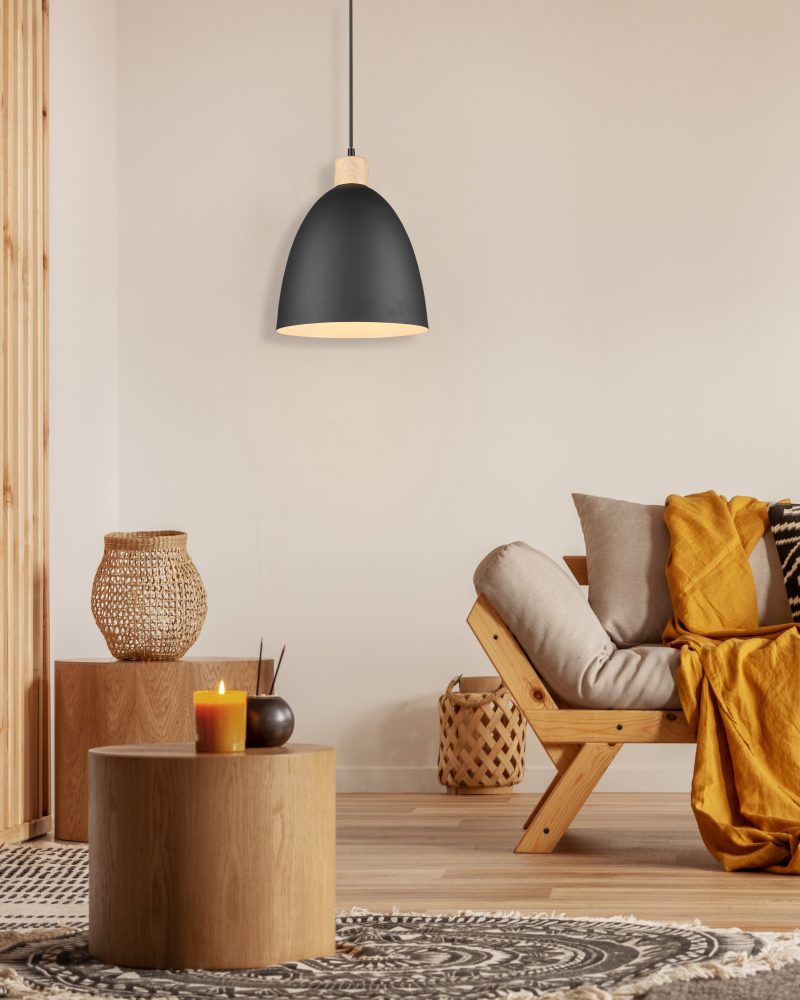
627 545
561 635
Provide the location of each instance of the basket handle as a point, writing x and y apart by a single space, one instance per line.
452 684
474 698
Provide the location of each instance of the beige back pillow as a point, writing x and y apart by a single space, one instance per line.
627 545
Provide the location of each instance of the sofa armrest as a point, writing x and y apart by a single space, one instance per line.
551 619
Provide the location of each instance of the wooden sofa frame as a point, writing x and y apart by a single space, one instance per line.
580 742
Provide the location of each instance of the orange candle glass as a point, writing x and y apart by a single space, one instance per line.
220 720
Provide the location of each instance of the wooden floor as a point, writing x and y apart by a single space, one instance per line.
626 854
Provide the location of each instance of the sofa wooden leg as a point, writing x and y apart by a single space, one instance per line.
543 799
561 754
568 791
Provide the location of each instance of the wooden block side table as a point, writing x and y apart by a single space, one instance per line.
117 702
211 861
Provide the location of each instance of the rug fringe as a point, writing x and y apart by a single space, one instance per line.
13 984
396 911
778 950
10 937
14 987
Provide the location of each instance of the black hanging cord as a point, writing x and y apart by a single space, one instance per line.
350 149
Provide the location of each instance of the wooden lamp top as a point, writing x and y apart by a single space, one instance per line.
351 170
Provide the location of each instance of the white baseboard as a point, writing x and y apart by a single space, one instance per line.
622 778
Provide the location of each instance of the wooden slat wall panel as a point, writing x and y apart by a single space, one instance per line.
24 653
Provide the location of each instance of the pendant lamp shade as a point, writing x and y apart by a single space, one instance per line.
351 271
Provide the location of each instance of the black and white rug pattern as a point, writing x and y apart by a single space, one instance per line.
379 957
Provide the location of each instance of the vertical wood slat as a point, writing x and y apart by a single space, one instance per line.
24 652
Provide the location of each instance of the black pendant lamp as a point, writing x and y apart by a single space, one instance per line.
351 271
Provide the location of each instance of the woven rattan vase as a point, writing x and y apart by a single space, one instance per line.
148 599
481 738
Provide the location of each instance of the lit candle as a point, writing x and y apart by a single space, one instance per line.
220 719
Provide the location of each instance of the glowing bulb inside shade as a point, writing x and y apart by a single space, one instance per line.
221 687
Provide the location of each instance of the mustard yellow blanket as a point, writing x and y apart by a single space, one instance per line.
739 686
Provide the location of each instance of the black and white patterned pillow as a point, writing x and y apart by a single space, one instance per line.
785 521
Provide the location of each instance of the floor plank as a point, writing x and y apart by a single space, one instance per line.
625 854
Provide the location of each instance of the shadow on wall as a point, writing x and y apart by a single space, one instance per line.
401 735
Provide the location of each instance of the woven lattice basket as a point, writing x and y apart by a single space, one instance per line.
481 740
148 599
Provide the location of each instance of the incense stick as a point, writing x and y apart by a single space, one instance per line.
277 669
258 676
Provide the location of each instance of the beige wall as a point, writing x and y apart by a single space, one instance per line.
603 198
83 312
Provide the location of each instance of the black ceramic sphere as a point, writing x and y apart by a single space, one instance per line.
270 721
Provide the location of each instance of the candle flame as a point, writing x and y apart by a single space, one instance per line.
221 687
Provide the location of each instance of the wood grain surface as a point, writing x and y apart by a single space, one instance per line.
587 725
624 853
214 861
24 657
350 170
578 567
565 795
111 702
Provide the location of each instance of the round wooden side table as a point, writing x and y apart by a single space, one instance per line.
211 861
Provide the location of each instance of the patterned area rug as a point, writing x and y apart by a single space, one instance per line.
43 896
